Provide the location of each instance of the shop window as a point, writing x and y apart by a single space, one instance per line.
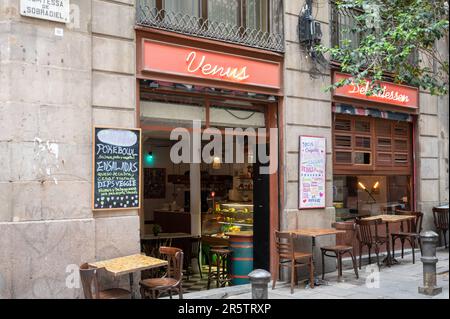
360 195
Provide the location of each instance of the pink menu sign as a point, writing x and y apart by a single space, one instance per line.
312 172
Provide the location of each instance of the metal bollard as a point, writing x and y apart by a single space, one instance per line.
429 242
259 280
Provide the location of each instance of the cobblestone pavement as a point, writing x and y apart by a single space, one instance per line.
400 281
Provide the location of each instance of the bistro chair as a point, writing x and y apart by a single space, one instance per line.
91 289
411 234
367 234
172 280
441 223
288 257
340 250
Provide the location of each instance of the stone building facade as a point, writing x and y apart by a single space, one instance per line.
54 88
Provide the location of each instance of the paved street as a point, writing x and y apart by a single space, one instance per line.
398 282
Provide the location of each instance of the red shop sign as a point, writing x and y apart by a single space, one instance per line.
198 63
394 94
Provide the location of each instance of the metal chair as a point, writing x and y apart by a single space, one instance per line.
441 223
288 257
412 233
340 250
367 234
91 289
151 288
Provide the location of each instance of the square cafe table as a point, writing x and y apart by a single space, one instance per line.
128 265
314 233
390 219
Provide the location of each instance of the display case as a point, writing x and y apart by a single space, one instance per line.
228 217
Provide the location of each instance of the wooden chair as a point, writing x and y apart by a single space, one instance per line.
221 275
340 250
151 288
367 234
91 289
288 257
441 223
411 234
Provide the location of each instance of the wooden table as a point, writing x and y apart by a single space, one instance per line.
314 233
128 265
390 219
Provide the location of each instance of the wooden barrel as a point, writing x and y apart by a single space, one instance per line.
242 258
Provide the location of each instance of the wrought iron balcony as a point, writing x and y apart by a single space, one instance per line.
199 27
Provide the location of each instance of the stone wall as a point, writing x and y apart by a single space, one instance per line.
54 89
432 151
307 111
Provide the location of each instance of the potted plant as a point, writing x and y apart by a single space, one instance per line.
156 229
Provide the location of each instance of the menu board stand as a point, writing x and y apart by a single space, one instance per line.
116 169
312 172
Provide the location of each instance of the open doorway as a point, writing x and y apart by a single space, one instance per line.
196 206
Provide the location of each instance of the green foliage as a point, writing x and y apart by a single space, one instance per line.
391 33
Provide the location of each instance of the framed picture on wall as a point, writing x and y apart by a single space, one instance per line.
154 183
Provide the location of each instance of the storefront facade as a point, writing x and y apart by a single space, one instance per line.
59 80
209 81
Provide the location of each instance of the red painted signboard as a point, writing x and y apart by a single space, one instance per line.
394 94
199 63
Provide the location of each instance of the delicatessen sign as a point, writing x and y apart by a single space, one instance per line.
52 10
394 94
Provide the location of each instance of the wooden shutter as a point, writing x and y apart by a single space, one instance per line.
370 145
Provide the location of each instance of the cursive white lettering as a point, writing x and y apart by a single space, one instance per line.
195 65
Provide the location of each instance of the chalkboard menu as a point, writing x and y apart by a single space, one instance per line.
116 168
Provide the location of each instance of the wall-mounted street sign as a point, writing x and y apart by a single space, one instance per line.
116 169
52 10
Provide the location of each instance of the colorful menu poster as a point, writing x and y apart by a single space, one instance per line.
116 169
312 172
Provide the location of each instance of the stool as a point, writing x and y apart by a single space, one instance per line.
222 274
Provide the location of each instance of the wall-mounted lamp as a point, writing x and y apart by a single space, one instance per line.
367 191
